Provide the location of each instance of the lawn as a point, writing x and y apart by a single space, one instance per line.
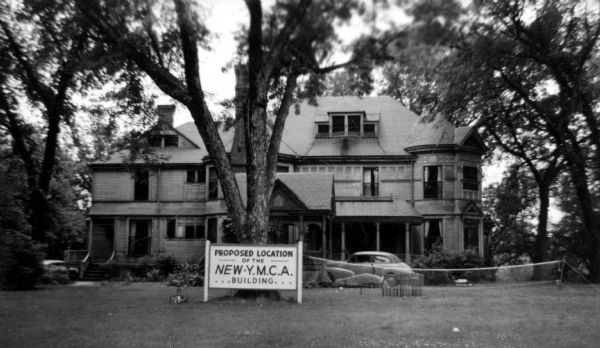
139 315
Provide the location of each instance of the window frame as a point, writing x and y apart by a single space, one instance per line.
141 184
430 186
373 183
212 183
471 225
470 184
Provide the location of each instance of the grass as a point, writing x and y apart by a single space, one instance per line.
139 315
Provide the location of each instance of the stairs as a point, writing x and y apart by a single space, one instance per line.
93 273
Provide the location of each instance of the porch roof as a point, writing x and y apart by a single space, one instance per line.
379 210
314 190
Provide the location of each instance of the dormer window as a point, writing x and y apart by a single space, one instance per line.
354 124
164 140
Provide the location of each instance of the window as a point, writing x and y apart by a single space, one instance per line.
171 141
338 125
141 186
432 182
433 235
186 228
283 169
212 230
323 129
346 125
171 226
470 178
381 259
155 141
370 182
471 235
196 176
213 184
354 124
369 129
163 140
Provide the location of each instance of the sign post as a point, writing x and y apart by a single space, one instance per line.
253 267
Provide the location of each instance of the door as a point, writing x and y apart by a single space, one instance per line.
140 237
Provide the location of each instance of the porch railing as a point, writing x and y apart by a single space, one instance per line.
84 265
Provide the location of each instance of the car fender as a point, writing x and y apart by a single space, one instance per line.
339 273
397 271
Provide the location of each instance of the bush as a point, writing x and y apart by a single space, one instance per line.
445 260
187 274
20 261
155 268
165 264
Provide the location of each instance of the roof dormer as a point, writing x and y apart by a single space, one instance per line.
346 124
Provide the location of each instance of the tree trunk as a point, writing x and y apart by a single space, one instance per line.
541 240
38 215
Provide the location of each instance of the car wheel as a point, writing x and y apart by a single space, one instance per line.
330 277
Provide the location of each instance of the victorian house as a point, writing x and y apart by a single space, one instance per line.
354 174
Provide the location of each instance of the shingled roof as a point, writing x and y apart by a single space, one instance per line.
394 119
314 190
399 129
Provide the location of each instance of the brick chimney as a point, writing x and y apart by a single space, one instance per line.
238 148
165 114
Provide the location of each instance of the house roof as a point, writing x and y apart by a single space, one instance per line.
398 210
398 129
395 122
314 190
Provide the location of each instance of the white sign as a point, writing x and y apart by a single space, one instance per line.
267 267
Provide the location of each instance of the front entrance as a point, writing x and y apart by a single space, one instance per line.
103 235
140 237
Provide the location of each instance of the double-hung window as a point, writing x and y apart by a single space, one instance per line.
432 182
371 182
470 178
213 184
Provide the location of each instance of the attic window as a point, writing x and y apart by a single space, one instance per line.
353 124
171 141
163 140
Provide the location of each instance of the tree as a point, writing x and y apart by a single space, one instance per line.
508 205
291 40
542 66
413 75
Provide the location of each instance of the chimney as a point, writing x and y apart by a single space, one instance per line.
238 148
165 114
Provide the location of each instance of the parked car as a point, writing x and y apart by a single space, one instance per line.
371 262
59 266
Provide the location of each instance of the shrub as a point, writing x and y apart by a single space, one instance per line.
187 274
165 264
446 260
20 261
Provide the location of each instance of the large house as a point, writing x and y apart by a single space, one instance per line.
353 174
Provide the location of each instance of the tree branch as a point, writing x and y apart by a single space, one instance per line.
189 46
278 127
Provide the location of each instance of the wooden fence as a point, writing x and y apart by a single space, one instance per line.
402 285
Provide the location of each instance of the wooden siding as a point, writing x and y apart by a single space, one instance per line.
112 186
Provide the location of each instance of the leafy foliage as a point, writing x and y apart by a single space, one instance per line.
20 261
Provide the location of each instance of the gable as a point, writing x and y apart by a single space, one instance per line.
473 141
472 209
283 198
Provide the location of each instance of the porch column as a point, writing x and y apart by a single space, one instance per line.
343 241
330 244
377 239
300 235
324 238
90 227
407 241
